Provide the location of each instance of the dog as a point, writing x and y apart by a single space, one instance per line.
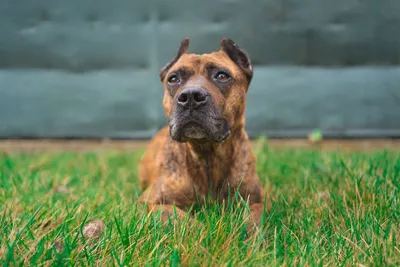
204 152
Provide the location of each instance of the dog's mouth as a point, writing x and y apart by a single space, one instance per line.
192 130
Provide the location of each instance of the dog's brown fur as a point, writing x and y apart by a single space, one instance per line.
183 173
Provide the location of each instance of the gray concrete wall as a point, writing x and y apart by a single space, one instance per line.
89 68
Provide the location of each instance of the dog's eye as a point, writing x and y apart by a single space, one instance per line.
173 79
222 76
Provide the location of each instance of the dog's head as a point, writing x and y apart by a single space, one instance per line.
205 95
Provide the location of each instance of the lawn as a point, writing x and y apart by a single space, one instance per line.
328 208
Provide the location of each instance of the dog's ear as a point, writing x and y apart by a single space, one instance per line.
183 48
238 55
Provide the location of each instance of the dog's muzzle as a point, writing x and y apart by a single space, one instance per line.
195 117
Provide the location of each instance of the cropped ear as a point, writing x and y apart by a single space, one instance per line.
183 48
239 56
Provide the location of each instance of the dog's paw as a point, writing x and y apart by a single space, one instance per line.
171 215
258 211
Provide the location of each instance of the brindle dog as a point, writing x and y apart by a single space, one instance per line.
204 151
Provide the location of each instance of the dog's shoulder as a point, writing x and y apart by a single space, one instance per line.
162 155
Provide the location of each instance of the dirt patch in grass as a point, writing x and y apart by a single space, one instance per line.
128 145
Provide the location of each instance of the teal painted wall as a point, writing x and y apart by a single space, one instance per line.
85 68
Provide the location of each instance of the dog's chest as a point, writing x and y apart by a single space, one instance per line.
213 176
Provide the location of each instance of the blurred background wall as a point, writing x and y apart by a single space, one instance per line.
89 69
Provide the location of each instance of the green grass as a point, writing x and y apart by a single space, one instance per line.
328 208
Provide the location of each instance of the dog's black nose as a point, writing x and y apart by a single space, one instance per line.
192 98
